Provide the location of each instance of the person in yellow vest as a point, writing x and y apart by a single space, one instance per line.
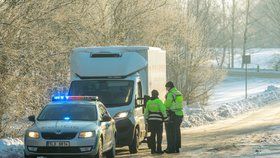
174 107
155 114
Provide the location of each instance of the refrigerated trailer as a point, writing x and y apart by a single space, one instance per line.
120 76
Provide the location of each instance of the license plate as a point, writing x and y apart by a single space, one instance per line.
58 144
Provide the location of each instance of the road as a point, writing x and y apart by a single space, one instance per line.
254 134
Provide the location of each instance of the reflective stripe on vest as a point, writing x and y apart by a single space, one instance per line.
155 116
174 97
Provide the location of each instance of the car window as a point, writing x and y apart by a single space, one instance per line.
111 93
103 110
68 112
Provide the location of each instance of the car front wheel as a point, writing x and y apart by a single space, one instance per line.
112 152
100 149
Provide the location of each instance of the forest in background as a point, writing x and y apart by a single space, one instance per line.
36 38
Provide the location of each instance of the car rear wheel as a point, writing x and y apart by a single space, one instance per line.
112 152
133 148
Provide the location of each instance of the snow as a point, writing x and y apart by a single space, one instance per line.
259 56
198 115
195 116
11 148
262 57
233 88
15 127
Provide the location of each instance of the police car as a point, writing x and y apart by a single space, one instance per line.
71 125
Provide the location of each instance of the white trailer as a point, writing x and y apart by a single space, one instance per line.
120 75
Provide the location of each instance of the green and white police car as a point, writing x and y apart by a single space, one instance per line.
71 126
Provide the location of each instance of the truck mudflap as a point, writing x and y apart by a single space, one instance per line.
125 132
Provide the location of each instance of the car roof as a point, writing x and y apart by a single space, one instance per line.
83 102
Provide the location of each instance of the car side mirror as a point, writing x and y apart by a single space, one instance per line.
31 118
146 99
106 118
139 102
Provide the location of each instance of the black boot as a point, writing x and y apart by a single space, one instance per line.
160 152
169 151
159 149
153 152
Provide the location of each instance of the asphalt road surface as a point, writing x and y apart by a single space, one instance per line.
254 134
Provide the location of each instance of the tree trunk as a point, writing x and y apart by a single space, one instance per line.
245 31
232 33
224 29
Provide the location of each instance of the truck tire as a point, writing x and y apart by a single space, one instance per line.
29 156
133 148
112 152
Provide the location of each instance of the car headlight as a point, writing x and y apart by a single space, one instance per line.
122 115
86 134
33 134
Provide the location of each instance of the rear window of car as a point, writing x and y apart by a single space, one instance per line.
74 112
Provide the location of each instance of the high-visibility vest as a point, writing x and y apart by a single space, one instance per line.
174 102
155 110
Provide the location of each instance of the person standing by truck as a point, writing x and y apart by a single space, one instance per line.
174 107
155 114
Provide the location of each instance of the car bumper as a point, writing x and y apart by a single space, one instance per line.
125 132
77 147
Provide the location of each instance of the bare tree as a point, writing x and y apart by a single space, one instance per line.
245 36
223 33
189 53
37 36
273 13
231 56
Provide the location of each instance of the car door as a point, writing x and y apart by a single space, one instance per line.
139 110
111 130
106 128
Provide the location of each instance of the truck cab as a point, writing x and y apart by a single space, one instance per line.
120 76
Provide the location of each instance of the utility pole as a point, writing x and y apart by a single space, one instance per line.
246 59
246 81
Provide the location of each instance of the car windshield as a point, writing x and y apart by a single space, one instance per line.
110 92
78 112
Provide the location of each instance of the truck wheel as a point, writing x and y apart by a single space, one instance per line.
133 148
112 152
100 149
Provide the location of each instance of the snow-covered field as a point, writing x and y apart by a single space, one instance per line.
233 88
262 57
11 148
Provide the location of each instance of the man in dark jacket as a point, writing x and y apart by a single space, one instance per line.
174 106
155 113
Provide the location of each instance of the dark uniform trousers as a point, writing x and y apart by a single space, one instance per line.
156 129
173 133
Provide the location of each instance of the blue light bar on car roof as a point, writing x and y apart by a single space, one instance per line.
74 98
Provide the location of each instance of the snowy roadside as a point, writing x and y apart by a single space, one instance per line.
11 148
198 115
